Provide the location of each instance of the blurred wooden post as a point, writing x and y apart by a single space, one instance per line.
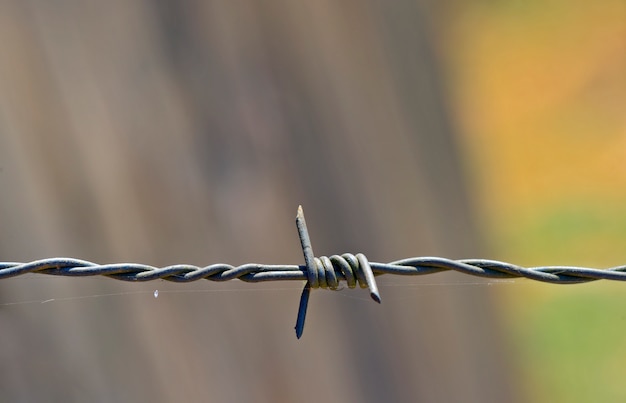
189 133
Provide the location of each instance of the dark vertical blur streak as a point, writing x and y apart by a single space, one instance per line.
190 131
407 37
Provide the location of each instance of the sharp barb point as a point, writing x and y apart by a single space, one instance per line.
369 277
302 308
317 272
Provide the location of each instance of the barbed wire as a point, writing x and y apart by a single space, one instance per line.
318 272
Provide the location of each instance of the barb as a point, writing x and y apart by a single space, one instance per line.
318 272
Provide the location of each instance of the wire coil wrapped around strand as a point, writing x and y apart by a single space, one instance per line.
318 272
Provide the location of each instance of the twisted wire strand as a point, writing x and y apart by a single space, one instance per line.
330 271
318 272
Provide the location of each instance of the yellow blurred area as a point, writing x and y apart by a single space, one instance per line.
540 92
540 89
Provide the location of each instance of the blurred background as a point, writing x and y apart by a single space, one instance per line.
189 132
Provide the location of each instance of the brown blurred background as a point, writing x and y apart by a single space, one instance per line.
189 132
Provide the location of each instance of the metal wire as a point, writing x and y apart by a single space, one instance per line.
318 272
340 268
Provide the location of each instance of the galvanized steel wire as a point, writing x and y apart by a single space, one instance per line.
318 272
254 273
